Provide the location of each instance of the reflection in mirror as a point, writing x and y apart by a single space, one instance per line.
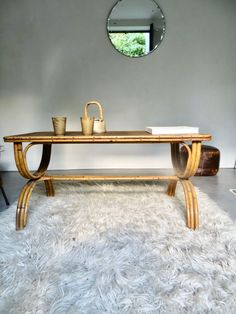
136 27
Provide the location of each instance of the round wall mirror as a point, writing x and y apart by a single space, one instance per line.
136 27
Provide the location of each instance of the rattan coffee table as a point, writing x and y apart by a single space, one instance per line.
184 169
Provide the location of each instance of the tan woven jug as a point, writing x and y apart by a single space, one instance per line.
99 123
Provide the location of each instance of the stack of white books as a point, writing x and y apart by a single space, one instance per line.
161 130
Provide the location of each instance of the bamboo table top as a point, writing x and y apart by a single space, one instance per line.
108 137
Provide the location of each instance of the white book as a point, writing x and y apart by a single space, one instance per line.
161 130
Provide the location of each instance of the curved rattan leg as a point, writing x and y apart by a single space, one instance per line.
23 202
191 204
172 187
21 162
184 170
22 166
49 187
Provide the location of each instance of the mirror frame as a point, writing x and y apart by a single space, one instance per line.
156 46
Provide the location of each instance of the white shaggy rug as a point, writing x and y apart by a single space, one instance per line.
116 248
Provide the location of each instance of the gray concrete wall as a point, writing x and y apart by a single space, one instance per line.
55 56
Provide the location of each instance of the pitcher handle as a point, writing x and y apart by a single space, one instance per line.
100 107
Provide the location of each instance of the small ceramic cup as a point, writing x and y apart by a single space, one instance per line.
87 125
59 125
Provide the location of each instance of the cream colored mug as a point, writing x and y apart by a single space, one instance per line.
59 125
87 124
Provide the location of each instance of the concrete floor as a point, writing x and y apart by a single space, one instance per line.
217 187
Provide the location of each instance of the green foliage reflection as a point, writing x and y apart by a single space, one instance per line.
130 44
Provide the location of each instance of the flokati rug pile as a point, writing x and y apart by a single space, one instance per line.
116 248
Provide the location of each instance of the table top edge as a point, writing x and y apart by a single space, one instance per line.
74 136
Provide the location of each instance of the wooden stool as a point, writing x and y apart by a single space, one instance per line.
209 160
